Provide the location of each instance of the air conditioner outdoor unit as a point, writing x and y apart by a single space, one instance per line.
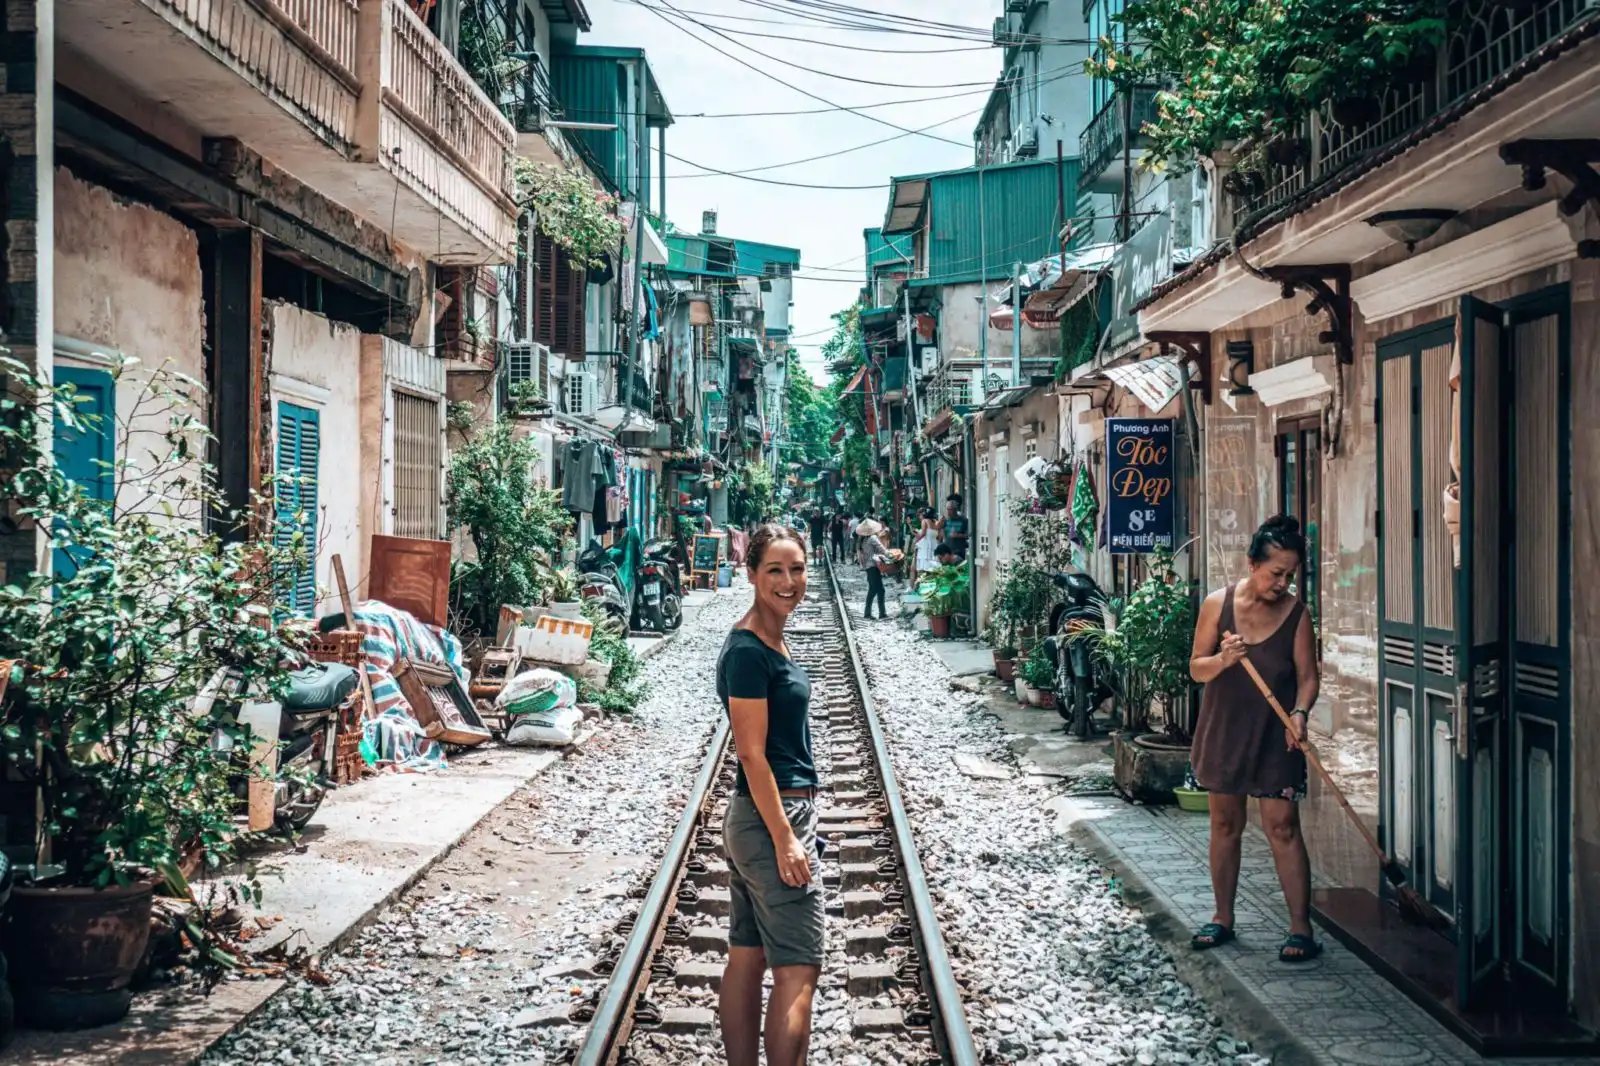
927 359
528 362
1027 140
582 392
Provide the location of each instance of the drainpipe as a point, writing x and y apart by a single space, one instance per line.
1016 325
641 148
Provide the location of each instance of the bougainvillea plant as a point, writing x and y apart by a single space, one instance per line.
582 220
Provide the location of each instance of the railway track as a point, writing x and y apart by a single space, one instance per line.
887 969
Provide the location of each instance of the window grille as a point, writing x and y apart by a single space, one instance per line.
416 467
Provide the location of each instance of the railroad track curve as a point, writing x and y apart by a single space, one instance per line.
886 956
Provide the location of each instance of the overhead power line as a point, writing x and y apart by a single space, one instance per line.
825 155
788 85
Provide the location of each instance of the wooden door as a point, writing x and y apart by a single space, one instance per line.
1536 737
1417 655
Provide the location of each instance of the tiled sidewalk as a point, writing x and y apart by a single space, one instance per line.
1339 1009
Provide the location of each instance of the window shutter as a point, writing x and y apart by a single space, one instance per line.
545 282
296 496
577 290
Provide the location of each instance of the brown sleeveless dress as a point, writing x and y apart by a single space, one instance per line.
1239 746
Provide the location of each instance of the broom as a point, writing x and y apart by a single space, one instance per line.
1413 908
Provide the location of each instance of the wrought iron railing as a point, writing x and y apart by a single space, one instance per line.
1102 140
1485 40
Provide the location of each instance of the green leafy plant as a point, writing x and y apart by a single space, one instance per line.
1146 641
625 687
527 399
1238 70
148 606
514 525
579 218
751 491
945 589
1039 671
459 415
563 585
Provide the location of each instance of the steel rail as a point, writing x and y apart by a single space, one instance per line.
946 993
609 1030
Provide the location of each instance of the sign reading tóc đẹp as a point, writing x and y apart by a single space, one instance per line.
1141 501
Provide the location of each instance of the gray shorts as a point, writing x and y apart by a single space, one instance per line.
782 920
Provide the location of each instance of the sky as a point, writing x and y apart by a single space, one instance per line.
825 224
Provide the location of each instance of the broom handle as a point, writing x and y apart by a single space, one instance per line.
1311 757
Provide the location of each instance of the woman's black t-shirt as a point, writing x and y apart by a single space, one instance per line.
749 670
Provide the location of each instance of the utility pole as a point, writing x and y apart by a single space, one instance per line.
1016 325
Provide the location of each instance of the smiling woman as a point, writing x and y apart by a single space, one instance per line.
770 830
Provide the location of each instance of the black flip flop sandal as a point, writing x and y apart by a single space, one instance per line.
1306 948
1211 935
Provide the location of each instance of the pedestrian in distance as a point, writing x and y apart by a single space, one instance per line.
769 833
819 533
953 527
836 529
1241 748
872 553
927 541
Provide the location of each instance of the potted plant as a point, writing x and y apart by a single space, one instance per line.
564 601
944 592
1146 641
1040 673
108 658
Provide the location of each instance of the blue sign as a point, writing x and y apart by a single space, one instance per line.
1141 498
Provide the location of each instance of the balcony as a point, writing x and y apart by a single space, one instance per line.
1485 41
1101 146
353 97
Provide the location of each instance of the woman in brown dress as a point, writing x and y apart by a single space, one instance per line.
1241 749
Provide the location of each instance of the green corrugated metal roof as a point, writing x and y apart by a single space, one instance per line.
689 255
590 85
1021 219
754 256
881 250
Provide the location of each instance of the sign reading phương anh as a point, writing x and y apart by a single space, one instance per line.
1140 489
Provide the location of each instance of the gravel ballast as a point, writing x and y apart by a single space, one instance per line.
1059 969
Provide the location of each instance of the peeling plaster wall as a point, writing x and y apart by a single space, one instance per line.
317 363
127 279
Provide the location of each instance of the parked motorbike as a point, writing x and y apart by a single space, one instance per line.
611 577
308 725
1082 676
660 587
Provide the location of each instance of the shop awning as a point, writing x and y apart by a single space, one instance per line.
1154 381
1007 398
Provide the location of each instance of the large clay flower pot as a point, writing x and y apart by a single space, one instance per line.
73 951
939 625
1005 669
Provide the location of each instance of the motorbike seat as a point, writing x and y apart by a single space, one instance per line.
319 687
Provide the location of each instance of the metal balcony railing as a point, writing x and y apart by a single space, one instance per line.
1102 141
1484 40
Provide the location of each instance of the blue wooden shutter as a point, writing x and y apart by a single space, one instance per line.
85 453
299 433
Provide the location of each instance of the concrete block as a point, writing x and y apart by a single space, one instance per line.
689 1020
699 975
870 978
872 1021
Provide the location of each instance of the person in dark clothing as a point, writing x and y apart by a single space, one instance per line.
954 526
836 535
769 833
819 528
873 552
1240 747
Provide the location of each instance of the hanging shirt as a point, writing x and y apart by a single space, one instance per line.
579 464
